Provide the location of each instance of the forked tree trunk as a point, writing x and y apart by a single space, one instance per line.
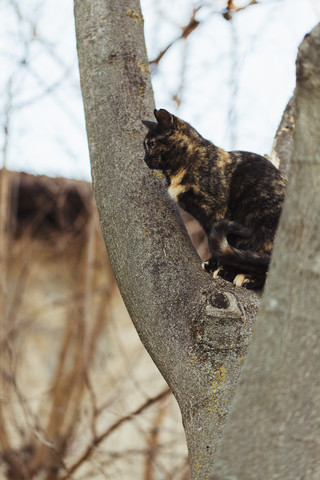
195 329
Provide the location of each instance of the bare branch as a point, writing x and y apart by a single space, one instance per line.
232 8
193 24
186 31
97 440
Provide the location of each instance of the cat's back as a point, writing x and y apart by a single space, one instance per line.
256 186
253 169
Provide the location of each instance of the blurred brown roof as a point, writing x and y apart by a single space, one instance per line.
38 203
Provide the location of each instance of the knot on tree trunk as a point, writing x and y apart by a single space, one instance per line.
221 324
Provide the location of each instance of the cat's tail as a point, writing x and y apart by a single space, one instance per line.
225 232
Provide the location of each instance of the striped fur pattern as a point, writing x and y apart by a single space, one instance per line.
236 196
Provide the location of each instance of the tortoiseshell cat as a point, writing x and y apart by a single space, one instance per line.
236 196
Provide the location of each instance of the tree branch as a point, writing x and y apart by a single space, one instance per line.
278 397
283 141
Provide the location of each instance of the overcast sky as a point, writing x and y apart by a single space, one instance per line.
233 78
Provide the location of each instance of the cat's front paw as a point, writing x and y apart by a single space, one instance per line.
225 272
210 265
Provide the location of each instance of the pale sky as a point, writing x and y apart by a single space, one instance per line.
234 78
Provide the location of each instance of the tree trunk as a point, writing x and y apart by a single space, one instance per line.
274 425
195 328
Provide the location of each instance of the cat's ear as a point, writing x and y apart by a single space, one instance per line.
150 125
165 119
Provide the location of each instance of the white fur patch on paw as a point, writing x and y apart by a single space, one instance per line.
216 272
204 264
240 279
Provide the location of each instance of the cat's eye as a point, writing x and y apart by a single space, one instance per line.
151 144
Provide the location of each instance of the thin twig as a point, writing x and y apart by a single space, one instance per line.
227 13
186 31
89 450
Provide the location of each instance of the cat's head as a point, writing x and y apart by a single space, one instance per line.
159 139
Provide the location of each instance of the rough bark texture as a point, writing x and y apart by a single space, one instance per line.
283 142
274 424
195 328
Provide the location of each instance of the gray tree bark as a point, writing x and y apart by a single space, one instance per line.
195 328
274 425
283 141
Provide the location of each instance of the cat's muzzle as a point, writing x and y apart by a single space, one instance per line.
150 161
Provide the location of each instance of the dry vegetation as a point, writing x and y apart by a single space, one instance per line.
80 397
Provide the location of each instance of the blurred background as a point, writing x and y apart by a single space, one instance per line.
79 396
